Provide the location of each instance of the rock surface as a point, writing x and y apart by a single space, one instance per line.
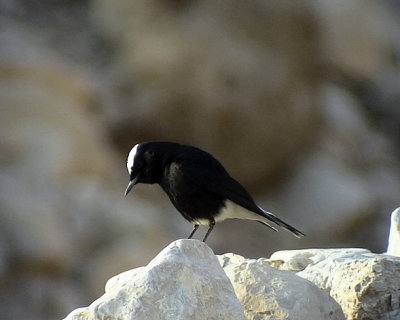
394 235
185 281
268 293
366 285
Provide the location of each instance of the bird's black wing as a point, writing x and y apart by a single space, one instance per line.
208 173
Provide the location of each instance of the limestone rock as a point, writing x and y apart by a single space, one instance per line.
267 293
185 281
394 235
366 285
298 260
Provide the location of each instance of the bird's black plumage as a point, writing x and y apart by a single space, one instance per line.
197 184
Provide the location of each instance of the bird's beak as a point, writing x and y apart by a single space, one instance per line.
130 185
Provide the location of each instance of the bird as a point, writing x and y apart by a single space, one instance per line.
197 184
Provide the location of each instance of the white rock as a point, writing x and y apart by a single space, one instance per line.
366 285
394 235
298 260
185 281
267 293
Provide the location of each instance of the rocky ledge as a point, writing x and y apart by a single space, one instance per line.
188 281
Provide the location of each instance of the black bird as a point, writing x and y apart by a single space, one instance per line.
197 184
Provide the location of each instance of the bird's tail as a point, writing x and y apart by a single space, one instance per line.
282 224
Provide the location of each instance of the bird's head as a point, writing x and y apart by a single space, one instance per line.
141 165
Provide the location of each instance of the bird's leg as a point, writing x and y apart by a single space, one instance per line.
210 227
195 227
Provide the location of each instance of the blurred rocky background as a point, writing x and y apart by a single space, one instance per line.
299 99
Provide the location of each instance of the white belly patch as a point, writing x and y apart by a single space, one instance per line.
232 210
